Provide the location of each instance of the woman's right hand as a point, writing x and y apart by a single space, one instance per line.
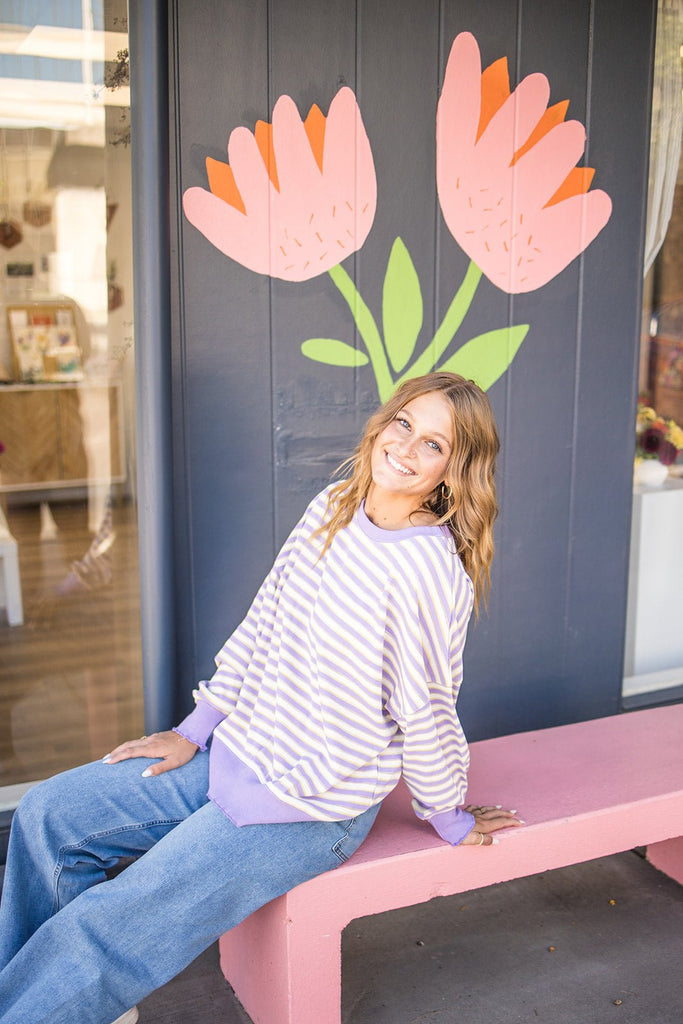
487 820
173 749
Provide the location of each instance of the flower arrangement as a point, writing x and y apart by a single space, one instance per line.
657 438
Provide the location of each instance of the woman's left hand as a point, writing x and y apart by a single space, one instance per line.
487 820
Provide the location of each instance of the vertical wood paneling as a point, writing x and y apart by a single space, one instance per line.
261 427
607 378
487 654
313 53
538 429
398 90
223 411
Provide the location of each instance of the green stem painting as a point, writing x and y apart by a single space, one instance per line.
391 351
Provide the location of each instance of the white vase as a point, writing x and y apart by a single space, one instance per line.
650 473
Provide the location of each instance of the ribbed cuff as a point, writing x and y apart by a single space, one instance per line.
199 724
453 825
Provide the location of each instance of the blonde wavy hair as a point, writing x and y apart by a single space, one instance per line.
466 500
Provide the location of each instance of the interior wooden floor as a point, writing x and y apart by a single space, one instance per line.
70 677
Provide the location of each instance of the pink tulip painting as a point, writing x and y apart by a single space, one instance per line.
508 186
295 198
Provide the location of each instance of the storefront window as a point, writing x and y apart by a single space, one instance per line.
661 356
70 675
653 663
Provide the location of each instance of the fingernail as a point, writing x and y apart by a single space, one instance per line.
499 807
495 841
106 759
513 811
147 772
521 821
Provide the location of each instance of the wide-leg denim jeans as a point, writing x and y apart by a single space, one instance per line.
77 947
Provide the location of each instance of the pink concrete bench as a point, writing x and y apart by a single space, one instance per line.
586 791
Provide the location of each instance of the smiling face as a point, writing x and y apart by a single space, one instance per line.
410 456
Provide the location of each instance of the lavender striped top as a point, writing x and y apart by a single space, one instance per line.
343 675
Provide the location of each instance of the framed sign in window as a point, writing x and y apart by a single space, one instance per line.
45 345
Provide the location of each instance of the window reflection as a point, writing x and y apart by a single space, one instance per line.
653 661
70 676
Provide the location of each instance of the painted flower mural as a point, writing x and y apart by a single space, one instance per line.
508 186
296 198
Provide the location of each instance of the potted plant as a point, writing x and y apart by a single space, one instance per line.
658 443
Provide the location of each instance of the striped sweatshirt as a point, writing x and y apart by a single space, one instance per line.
343 676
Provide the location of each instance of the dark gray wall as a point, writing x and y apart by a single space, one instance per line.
258 428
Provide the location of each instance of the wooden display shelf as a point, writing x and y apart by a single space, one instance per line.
61 435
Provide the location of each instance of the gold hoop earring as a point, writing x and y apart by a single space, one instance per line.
446 491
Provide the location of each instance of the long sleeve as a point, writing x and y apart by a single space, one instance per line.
216 699
425 655
342 675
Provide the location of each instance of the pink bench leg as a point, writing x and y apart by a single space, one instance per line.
285 967
668 857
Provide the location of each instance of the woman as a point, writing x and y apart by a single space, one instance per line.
342 676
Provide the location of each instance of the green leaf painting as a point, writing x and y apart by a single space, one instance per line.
333 352
394 353
486 358
401 306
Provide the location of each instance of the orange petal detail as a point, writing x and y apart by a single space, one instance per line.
315 130
222 183
263 133
553 115
495 89
577 181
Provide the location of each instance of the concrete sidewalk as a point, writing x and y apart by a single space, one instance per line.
598 943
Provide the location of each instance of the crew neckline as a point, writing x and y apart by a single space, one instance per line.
371 529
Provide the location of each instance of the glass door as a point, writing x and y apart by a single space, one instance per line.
70 672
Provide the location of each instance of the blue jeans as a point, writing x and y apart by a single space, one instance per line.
78 948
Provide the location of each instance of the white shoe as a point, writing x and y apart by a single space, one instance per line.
129 1017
